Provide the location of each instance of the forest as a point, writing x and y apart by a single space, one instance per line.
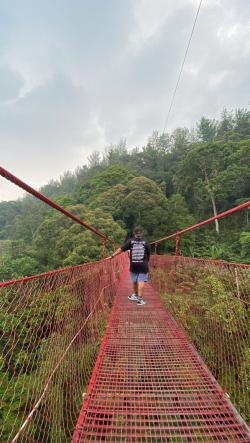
173 181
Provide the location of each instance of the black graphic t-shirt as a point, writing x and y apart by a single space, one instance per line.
139 254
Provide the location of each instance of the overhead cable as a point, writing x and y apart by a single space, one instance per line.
182 66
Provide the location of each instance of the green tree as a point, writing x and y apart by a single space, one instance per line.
236 178
178 213
111 200
242 123
245 244
102 181
61 242
94 159
8 212
145 204
225 125
116 154
206 129
31 215
199 175
17 261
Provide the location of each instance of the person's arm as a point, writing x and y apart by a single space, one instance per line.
117 252
124 248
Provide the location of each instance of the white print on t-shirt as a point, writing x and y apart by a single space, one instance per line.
138 252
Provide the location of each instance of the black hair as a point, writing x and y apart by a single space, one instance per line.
138 229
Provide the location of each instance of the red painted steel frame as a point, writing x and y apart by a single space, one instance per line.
150 385
198 225
46 274
202 260
55 319
6 174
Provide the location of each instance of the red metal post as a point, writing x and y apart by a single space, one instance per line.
103 248
177 239
205 222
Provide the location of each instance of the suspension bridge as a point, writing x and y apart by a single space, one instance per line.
82 363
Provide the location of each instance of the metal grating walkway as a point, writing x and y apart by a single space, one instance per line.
150 385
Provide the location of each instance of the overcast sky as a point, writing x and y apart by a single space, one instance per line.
76 75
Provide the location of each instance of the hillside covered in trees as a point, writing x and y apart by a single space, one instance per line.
172 182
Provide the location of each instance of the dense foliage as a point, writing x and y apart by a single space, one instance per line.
55 321
212 304
173 181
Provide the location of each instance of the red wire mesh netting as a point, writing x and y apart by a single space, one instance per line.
51 326
210 299
150 385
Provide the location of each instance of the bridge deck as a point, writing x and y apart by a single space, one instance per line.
150 385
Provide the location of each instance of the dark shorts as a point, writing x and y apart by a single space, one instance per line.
135 277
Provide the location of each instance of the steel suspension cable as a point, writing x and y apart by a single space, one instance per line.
204 222
12 178
182 66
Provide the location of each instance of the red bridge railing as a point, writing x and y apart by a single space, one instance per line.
51 326
177 235
21 184
211 300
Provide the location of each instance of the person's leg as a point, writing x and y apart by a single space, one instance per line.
140 292
135 285
142 279
140 288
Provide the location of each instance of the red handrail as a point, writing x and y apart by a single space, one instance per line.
6 174
198 225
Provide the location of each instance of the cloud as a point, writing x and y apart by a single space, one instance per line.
76 76
11 83
50 124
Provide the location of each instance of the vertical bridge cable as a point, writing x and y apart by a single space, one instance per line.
182 66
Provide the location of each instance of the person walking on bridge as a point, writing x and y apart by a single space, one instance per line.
139 250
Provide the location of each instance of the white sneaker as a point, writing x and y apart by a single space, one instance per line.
133 297
141 302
